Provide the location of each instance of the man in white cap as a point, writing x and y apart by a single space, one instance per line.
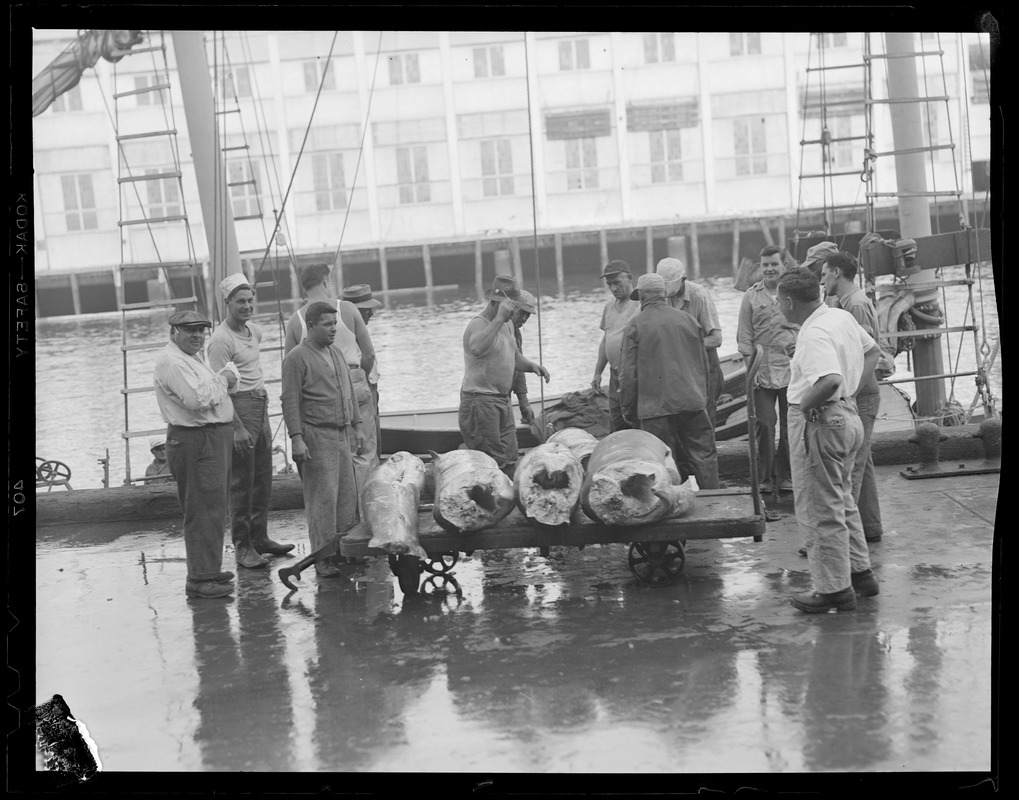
195 403
695 300
237 340
614 318
159 470
526 306
663 381
490 359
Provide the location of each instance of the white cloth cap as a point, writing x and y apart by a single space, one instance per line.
231 283
672 271
154 442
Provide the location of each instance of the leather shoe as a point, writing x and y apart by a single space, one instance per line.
818 603
326 570
223 577
270 548
246 557
785 485
767 486
865 583
207 590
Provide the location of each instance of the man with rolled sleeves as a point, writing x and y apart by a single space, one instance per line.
838 276
825 433
195 403
238 340
614 318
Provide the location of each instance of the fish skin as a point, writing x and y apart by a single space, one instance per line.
549 463
632 479
461 476
390 499
578 440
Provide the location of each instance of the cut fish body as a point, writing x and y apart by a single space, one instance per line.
471 492
578 440
390 503
632 479
547 483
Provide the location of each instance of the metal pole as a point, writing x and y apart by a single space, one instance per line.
914 211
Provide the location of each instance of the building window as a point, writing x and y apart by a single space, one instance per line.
163 196
978 63
929 123
750 146
833 39
666 156
412 174
497 167
143 82
79 202
841 154
236 81
313 76
243 181
581 164
69 100
489 62
330 192
659 47
574 54
403 68
744 44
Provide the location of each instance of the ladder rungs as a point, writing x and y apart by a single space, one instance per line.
834 208
138 389
888 100
859 102
130 348
834 139
909 150
248 216
928 377
155 176
831 174
927 332
129 136
151 49
150 432
236 147
243 183
905 55
945 193
274 349
156 87
148 220
836 66
158 303
158 265
263 284
229 111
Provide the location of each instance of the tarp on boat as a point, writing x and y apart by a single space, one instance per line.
587 410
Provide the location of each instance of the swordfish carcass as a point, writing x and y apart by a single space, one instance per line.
390 503
471 492
547 484
632 480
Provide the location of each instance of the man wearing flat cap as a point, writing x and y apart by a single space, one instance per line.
238 340
663 381
614 318
695 300
527 306
490 358
816 256
159 470
195 403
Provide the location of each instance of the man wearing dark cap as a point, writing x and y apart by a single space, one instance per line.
490 358
238 341
617 313
195 403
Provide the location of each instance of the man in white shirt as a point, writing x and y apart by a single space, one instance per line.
614 319
825 434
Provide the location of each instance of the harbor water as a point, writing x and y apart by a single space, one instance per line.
80 369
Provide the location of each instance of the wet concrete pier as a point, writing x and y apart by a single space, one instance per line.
558 665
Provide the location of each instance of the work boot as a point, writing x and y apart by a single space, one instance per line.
246 557
818 603
223 577
267 547
207 590
785 485
326 570
865 583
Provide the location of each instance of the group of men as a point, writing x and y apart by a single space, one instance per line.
219 443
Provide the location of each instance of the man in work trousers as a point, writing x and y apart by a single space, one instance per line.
237 340
526 307
490 359
825 433
695 300
761 323
360 295
318 409
838 276
663 380
195 403
356 349
614 318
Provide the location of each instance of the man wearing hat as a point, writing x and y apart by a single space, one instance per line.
694 299
617 313
816 256
159 470
360 296
490 358
528 305
237 340
663 381
195 403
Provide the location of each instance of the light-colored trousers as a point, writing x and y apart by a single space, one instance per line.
327 478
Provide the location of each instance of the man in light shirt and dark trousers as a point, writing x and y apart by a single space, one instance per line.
617 314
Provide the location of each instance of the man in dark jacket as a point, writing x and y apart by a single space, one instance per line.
663 380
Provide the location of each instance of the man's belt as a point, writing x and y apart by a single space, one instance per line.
483 394
250 393
199 427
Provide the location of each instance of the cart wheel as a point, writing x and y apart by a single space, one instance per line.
656 563
408 573
442 564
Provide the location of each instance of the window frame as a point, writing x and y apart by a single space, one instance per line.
86 216
752 158
501 180
583 151
331 192
247 192
417 189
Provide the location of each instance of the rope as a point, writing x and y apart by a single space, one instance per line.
534 218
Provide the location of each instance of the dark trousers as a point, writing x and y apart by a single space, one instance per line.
616 421
251 473
378 419
764 403
715 382
486 424
692 440
200 463
864 480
